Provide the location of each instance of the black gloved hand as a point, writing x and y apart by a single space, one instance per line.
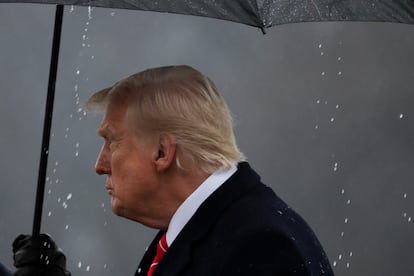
38 256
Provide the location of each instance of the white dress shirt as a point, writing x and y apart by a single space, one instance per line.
188 208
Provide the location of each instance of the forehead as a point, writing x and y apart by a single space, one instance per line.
114 118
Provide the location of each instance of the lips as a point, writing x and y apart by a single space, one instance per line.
108 186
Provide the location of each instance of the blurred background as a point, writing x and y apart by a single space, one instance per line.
323 111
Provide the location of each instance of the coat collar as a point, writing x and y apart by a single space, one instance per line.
180 252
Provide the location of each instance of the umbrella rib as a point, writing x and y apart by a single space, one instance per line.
317 9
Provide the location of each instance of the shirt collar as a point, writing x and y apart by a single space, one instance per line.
188 208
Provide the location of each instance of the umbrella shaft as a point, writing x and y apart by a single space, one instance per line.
41 181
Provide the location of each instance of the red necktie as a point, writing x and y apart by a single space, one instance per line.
162 247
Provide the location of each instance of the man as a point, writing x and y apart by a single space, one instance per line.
171 163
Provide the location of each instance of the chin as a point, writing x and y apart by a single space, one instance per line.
120 211
116 207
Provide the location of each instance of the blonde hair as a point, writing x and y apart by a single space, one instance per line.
183 102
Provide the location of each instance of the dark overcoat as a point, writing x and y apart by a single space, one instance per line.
243 228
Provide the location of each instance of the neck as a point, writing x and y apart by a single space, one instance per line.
177 188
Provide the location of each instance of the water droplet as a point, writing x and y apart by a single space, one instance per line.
77 145
405 215
47 178
342 234
320 46
71 116
89 12
322 53
340 257
348 202
346 220
49 214
92 57
323 73
350 254
49 191
66 227
57 181
336 166
103 205
64 205
339 58
409 219
334 263
405 195
88 268
80 264
401 115
347 265
280 212
343 191
69 196
337 106
316 127
72 8
105 266
318 101
77 153
339 73
56 163
59 199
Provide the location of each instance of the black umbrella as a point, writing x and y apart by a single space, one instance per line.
259 13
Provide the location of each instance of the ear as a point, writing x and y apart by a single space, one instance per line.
165 155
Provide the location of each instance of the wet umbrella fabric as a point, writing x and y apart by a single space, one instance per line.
266 13
259 13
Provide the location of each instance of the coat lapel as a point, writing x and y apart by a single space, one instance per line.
148 257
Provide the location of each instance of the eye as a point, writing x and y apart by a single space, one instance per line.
108 140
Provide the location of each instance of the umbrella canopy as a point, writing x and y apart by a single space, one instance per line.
266 13
261 13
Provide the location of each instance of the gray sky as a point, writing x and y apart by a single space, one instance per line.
323 111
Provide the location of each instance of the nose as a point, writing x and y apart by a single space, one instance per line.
103 165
